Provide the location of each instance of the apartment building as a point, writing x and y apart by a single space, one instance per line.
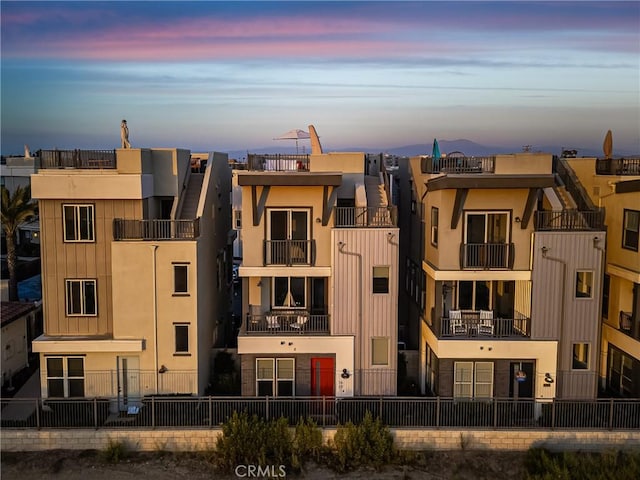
614 184
504 274
135 271
319 275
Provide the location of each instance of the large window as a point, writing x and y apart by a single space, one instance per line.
486 237
380 351
81 298
289 292
180 277
288 235
181 337
78 223
380 280
630 229
275 377
434 226
65 377
621 372
473 379
584 284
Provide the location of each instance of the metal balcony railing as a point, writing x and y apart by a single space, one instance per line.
487 255
278 163
286 322
472 326
156 229
619 166
458 165
89 159
369 217
289 252
575 220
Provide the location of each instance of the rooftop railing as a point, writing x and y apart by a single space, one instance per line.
278 163
570 220
618 166
81 159
124 229
458 165
366 217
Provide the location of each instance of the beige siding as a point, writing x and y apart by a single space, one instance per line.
62 261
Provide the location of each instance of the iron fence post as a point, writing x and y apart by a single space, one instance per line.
324 411
438 412
153 412
611 414
95 412
380 414
266 407
553 414
495 413
210 412
38 413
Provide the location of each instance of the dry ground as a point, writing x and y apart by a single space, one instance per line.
90 465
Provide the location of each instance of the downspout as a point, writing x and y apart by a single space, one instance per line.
155 318
563 300
358 364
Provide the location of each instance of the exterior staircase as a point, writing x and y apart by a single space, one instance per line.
192 196
377 212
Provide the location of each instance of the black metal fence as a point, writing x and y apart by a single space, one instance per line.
156 229
403 412
90 159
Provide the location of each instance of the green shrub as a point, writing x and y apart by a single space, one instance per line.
367 444
307 443
115 451
614 465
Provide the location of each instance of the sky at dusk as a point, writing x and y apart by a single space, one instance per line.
234 75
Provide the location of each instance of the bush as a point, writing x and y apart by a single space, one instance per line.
369 443
307 442
115 451
544 465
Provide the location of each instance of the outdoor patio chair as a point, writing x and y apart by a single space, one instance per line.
300 322
457 327
272 321
486 325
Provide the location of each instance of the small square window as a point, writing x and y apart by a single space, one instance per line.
631 229
78 223
182 338
81 298
580 356
380 279
584 284
180 284
434 226
380 351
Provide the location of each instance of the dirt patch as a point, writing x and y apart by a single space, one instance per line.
91 464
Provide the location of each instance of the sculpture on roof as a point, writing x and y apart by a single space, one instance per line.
124 134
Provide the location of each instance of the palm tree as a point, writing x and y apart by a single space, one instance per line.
16 209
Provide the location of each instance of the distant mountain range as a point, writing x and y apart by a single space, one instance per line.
467 147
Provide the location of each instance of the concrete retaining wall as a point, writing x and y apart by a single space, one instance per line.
409 439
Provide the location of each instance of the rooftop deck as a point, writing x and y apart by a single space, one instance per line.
81 159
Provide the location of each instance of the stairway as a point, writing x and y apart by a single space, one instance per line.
377 203
192 196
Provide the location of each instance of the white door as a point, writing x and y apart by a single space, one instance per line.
128 382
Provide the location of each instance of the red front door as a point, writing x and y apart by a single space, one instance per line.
322 376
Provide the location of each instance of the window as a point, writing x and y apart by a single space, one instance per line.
275 377
180 284
584 284
380 351
434 226
81 298
380 279
182 337
486 236
580 356
237 219
65 377
473 379
606 287
289 292
78 223
630 229
288 235
620 377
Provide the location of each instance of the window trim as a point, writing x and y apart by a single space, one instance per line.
473 383
387 278
275 375
289 307
590 285
184 293
573 358
176 352
625 212
76 222
373 358
434 226
83 282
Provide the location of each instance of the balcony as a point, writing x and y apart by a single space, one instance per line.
289 252
286 322
620 166
487 255
458 165
278 163
470 325
570 220
629 326
366 217
155 229
81 159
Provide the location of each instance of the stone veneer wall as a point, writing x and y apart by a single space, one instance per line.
409 439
